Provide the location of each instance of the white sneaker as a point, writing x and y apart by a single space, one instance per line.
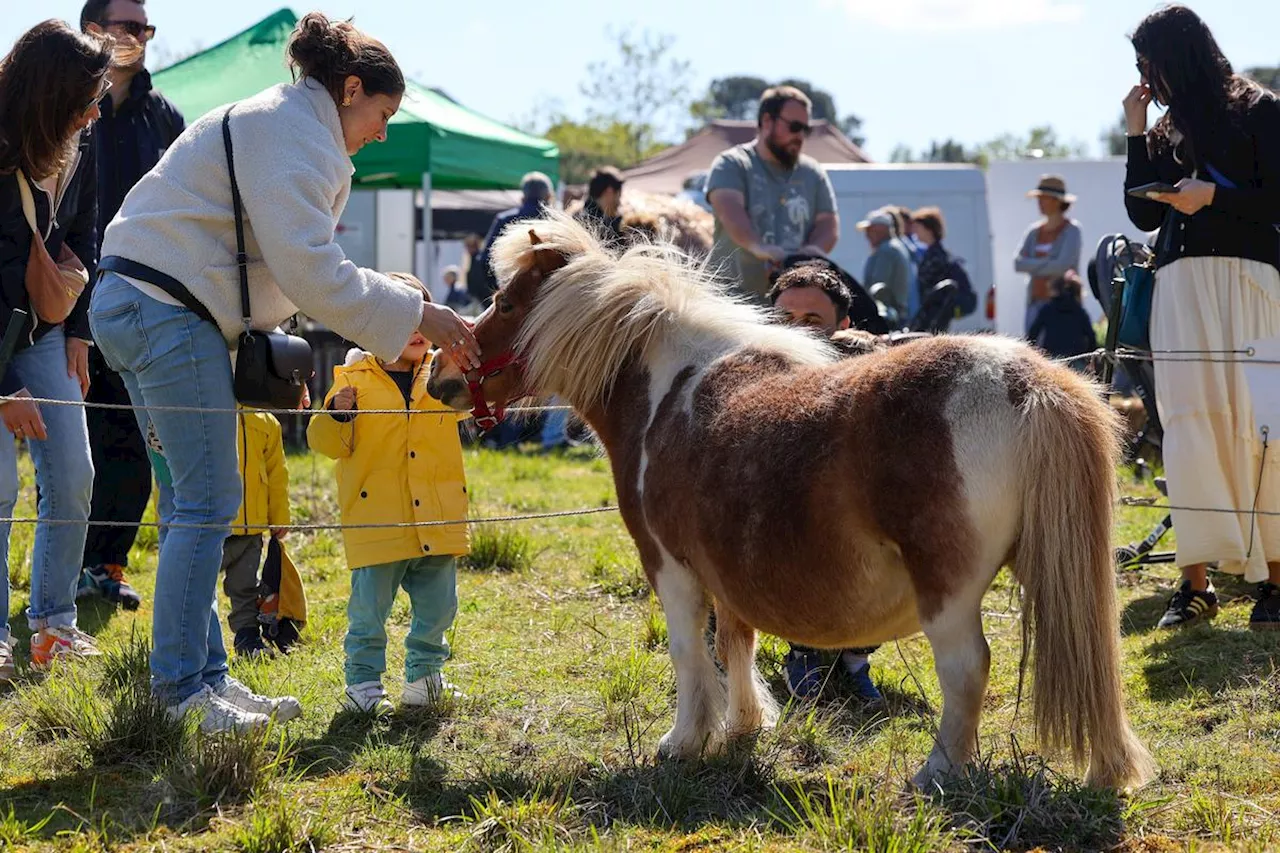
429 690
367 697
217 716
64 641
284 708
6 662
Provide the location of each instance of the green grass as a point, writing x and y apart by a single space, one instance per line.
562 652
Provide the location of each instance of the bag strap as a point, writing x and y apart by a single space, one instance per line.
28 202
242 259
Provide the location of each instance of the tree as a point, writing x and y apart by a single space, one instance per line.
949 151
1115 138
643 91
1041 142
730 97
1269 77
584 147
901 154
739 98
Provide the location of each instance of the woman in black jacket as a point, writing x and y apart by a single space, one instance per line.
1217 289
50 84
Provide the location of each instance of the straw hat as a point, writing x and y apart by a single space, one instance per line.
1054 187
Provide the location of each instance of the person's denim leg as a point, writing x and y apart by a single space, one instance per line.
64 482
8 500
373 591
432 585
555 425
170 357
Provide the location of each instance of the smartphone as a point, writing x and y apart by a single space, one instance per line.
1149 190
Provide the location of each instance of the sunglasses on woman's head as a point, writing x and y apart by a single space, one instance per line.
133 28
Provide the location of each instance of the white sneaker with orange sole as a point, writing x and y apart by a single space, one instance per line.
63 642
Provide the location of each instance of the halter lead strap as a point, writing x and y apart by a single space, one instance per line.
487 417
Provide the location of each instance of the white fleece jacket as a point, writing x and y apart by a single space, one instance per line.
295 177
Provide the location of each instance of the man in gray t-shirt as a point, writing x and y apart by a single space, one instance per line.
770 200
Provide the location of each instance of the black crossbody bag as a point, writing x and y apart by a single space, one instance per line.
272 368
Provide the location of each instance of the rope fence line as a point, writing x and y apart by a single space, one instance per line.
120 407
1249 356
312 528
1181 356
1134 502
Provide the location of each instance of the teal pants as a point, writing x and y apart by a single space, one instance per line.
432 586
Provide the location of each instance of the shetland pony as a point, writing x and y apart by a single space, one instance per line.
832 502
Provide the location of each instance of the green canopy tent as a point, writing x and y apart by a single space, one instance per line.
460 149
432 142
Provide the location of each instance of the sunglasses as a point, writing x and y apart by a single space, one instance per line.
102 93
796 126
133 28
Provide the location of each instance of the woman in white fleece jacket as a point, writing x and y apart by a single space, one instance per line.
176 232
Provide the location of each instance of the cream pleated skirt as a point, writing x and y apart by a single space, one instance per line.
1213 446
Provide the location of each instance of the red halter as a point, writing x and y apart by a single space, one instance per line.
485 417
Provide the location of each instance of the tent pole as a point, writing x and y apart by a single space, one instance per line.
429 259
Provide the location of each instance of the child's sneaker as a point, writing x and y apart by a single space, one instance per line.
65 641
429 690
248 642
108 581
6 662
284 708
367 697
217 716
804 672
859 669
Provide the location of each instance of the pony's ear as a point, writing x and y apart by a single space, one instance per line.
533 237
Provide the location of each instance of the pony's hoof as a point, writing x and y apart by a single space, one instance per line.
929 779
672 747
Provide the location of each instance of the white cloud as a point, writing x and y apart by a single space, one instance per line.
960 14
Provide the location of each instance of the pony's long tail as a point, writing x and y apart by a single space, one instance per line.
1069 451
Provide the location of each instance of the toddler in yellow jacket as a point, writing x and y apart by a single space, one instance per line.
395 468
265 508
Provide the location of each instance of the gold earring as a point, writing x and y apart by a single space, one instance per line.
346 102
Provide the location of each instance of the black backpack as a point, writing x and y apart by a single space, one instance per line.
966 298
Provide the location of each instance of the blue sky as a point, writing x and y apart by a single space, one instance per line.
914 70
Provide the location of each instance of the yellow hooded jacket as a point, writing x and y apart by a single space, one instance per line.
393 468
260 448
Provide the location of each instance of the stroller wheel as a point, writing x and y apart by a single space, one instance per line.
1125 555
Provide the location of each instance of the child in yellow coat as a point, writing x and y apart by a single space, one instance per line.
395 468
264 509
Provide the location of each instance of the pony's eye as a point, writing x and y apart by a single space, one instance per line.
505 307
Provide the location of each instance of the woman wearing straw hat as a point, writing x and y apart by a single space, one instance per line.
1050 247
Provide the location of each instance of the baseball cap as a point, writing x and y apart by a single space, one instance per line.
876 217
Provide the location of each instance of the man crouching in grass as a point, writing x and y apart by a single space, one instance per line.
812 294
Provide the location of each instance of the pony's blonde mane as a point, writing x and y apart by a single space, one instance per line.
604 307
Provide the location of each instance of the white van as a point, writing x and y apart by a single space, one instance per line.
958 189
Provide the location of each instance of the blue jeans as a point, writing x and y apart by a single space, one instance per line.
432 585
555 425
167 356
64 478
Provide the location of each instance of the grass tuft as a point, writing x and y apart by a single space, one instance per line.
840 816
499 549
279 826
1022 802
